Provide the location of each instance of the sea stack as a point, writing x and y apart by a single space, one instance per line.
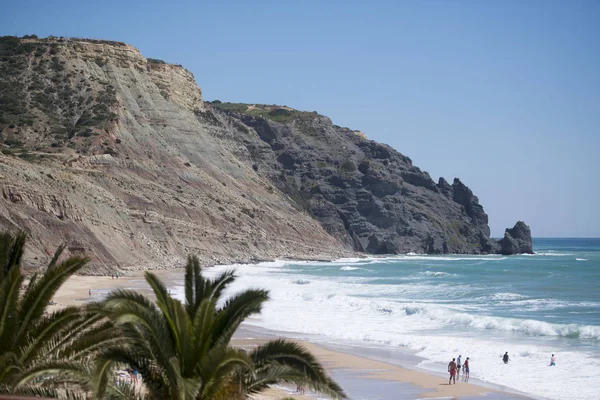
516 240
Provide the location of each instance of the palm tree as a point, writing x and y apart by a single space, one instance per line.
40 349
183 350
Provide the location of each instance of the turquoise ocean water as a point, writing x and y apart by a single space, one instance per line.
438 307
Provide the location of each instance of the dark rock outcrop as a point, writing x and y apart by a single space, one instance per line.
516 240
366 194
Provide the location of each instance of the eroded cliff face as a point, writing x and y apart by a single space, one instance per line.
111 154
364 193
118 156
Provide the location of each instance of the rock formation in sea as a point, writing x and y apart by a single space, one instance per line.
516 240
119 157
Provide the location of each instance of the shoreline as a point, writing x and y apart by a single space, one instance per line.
213 261
373 366
358 369
132 271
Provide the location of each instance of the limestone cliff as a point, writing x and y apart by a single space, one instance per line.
119 157
110 154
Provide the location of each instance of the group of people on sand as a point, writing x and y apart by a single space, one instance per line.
454 368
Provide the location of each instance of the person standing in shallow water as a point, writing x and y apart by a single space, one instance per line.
452 370
505 358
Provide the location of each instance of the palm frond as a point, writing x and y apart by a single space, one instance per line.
265 377
220 283
56 256
47 369
101 377
35 301
8 366
124 390
46 330
92 340
217 369
202 326
295 356
40 352
173 312
32 282
11 251
235 311
193 279
9 304
141 321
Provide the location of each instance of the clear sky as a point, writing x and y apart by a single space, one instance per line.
503 94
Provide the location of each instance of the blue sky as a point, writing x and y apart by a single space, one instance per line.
503 94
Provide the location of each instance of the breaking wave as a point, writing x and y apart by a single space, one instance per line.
548 254
436 273
506 296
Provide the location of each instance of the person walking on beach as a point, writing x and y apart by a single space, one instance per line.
505 358
552 361
458 365
466 370
452 370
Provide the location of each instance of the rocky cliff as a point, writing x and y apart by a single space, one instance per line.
366 194
119 157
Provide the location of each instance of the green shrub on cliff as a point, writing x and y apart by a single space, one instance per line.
155 61
236 107
347 166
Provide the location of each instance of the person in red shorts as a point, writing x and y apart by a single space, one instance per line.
452 370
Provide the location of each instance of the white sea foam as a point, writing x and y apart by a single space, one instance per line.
506 296
351 260
410 257
407 258
549 304
527 371
547 254
435 273
344 308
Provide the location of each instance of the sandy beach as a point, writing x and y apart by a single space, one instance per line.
350 370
